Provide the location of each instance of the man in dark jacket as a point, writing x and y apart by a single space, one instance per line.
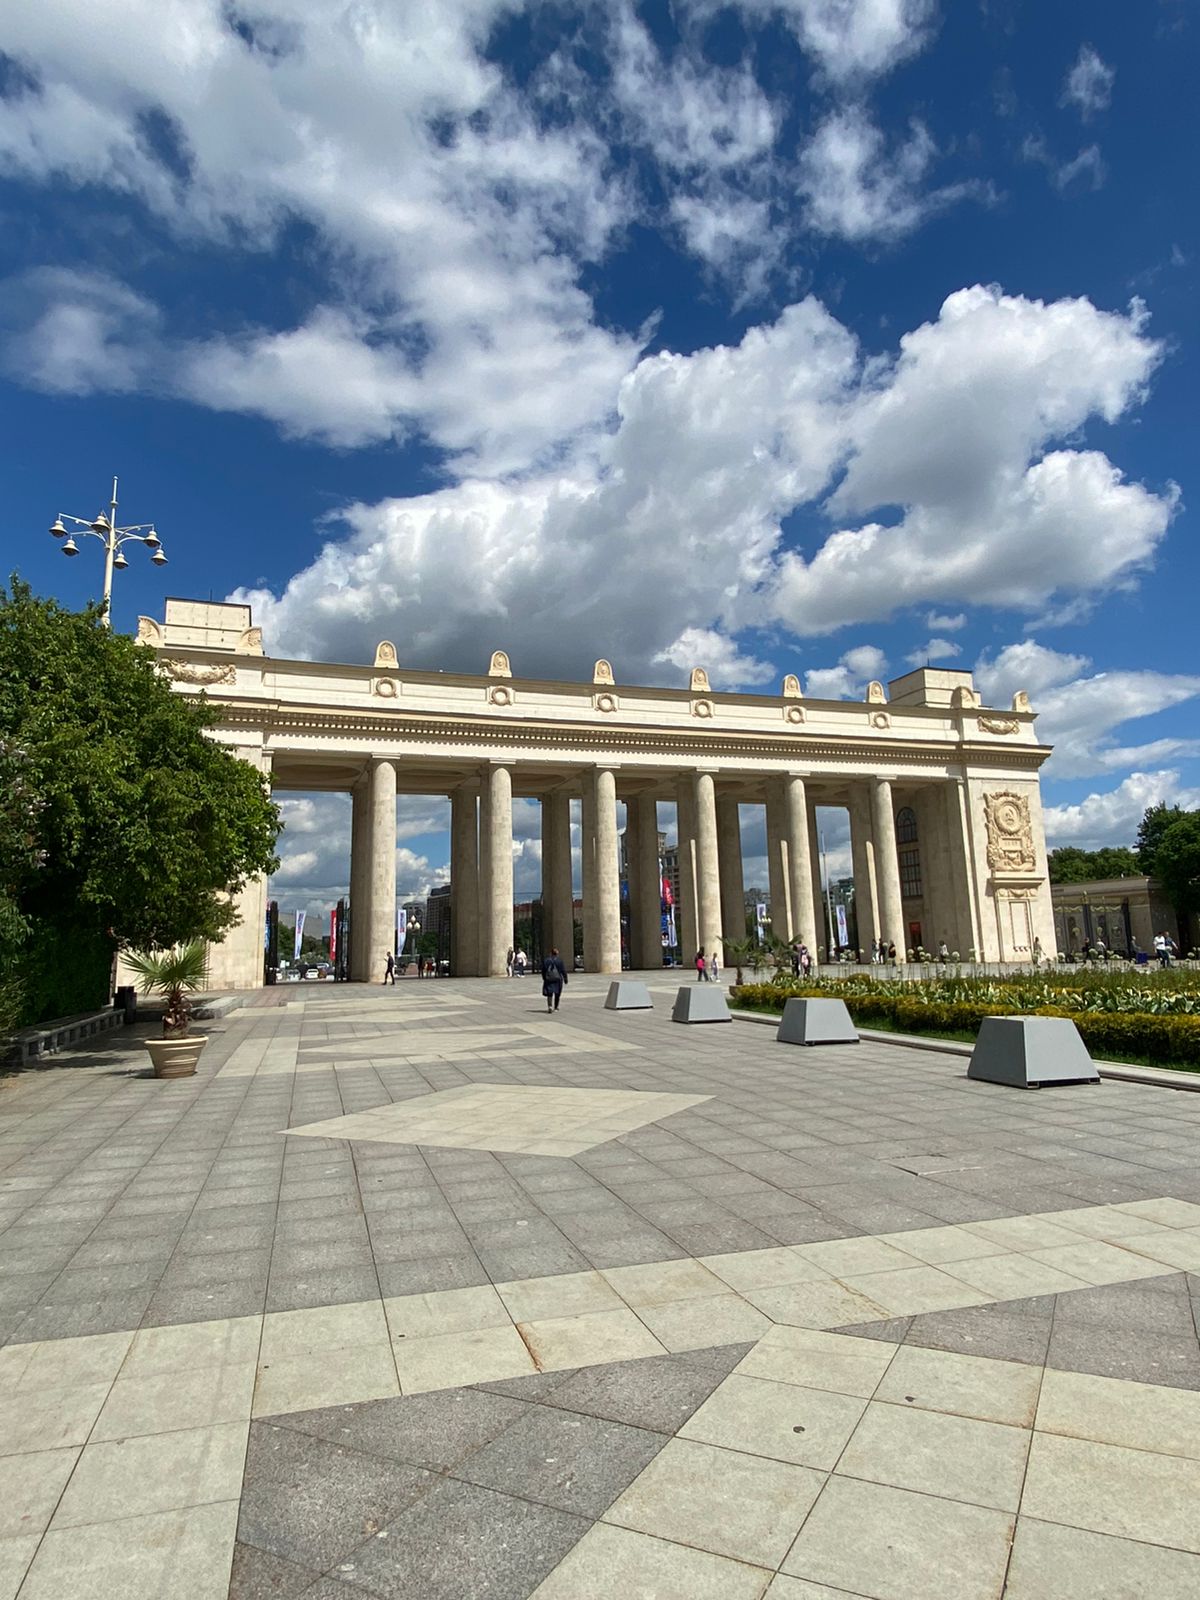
554 975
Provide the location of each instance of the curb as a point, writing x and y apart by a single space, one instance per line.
1118 1071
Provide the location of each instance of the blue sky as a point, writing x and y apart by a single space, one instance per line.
825 336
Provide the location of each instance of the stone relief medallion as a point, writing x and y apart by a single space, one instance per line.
385 688
187 672
501 695
385 654
149 631
1009 832
702 708
880 719
794 715
602 672
605 702
791 687
499 666
998 725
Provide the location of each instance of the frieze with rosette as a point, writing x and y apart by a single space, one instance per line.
190 672
1010 846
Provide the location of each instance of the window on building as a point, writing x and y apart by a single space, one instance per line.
909 853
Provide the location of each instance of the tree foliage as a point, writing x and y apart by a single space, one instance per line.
1069 864
1169 850
1154 823
142 824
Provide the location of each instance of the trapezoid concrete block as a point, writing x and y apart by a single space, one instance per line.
700 1002
816 1022
1026 1052
626 995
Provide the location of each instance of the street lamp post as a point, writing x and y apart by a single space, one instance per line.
104 527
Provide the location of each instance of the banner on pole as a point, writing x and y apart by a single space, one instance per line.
299 933
333 936
842 931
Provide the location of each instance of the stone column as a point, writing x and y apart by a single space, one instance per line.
799 862
495 870
862 855
733 884
645 884
236 962
708 865
464 882
887 866
777 873
558 897
686 912
587 851
360 879
382 921
607 873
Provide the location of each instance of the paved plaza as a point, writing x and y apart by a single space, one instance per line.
419 1292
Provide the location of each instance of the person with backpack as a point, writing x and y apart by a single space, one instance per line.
554 975
701 968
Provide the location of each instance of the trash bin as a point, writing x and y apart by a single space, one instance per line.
126 1001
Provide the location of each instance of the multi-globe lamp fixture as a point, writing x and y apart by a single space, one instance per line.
104 527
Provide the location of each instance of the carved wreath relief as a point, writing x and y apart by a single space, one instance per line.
998 725
1009 832
186 672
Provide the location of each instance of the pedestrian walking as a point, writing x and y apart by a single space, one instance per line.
701 968
554 976
891 952
389 971
796 959
509 960
714 967
803 961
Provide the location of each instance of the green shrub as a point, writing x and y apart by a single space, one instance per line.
1154 1037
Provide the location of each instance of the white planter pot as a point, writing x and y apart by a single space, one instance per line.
175 1058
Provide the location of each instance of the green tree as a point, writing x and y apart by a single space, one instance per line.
1069 864
1177 861
144 826
1154 823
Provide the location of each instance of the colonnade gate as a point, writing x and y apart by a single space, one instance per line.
943 797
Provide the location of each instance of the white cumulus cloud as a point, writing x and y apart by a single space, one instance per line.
1089 83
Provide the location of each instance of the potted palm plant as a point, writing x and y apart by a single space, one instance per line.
176 975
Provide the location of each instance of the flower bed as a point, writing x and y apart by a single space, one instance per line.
1167 1037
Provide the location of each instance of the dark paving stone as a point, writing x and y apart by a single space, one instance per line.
259 1575
83 1317
536 1387
1148 1305
994 1331
720 1358
893 1331
203 1304
460 1541
229 1266
296 1292
659 1392
425 1276
1138 1356
312 1502
435 1431
573 1462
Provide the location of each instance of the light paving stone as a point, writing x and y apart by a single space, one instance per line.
1133 1494
1105 1222
659 1282
1140 1416
1096 1262
867 1254
827 1304
598 1336
891 1544
446 1360
183 1347
732 1504
325 1378
30 1486
763 1269
617 1561
563 1295
48 1419
698 1324
15 1556
416 1316
1024 1233
965 1386
65 1363
914 1290
808 1427
156 1472
1015 1277
936 1245
958 1458
784 1588
1171 1213
14 1359
168 1553
1179 1248
1051 1562
165 1401
815 1360
322 1328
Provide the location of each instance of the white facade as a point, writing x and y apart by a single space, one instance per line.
943 796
